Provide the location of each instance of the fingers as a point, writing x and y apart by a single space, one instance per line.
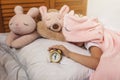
55 47
63 49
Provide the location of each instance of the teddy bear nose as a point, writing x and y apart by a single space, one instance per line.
56 27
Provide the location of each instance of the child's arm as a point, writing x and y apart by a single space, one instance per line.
88 61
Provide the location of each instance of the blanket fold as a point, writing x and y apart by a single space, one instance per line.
109 67
10 68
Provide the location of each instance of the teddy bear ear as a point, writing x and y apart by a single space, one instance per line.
18 10
64 10
33 12
43 10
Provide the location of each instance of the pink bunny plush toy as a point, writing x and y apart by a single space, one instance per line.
23 28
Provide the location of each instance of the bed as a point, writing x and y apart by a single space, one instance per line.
32 62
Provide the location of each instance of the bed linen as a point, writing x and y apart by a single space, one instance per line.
33 63
10 69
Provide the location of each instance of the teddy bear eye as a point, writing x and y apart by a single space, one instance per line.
26 24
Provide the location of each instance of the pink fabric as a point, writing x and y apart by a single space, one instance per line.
84 30
75 29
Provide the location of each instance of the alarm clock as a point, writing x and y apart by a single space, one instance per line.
55 55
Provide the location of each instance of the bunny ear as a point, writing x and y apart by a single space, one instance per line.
33 12
71 12
18 10
43 10
64 10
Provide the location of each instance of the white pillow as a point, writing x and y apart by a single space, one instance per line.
35 57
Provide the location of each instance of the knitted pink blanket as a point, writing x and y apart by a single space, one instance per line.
85 29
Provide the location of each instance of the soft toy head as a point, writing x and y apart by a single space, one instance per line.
23 23
52 22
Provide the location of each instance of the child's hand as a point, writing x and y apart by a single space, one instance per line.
64 50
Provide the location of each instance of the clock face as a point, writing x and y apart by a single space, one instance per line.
55 56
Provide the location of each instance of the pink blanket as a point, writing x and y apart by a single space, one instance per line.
86 29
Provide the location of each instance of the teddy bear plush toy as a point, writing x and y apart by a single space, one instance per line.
52 22
22 28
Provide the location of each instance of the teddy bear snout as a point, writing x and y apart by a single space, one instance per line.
56 27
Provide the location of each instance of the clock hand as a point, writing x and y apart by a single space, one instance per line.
55 56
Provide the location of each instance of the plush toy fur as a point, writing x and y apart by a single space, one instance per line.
23 28
52 22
